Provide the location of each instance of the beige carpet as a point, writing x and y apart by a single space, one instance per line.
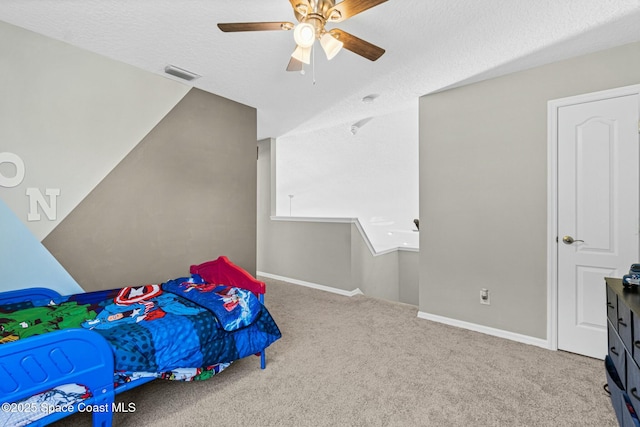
361 361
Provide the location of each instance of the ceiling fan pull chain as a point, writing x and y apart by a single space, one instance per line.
313 63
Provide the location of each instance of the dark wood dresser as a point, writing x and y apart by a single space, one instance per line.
623 324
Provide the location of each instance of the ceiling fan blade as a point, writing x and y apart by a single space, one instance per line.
294 65
256 26
357 45
348 8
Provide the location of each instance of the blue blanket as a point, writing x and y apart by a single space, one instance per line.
233 307
153 329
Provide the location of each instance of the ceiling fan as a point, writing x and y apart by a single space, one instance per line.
312 16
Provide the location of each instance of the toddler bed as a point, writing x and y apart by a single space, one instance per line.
63 354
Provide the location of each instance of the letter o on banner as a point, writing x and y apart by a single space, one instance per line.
6 181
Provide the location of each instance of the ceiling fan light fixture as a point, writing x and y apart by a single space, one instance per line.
302 54
304 34
302 9
330 45
336 15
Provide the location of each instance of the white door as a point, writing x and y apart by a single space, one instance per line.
598 193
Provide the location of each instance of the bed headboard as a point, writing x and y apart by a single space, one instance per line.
221 271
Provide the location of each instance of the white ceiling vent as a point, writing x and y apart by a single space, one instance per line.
180 72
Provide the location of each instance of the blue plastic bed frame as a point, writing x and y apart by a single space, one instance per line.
37 364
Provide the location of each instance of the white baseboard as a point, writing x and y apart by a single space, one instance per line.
356 291
486 330
525 339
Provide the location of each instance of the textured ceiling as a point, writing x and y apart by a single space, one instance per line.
430 45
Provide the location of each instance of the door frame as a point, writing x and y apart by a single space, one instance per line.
552 196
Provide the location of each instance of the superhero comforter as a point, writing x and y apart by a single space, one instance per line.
161 328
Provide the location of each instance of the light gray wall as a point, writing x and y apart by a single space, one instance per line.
326 253
408 276
483 189
315 252
184 195
153 175
374 275
71 116
310 251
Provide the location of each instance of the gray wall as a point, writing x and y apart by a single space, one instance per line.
483 189
310 251
185 194
408 276
71 115
326 253
316 252
374 275
153 175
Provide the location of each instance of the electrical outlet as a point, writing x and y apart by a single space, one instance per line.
484 297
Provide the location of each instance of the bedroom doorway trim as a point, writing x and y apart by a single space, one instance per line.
553 107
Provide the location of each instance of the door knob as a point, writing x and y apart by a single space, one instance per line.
567 240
